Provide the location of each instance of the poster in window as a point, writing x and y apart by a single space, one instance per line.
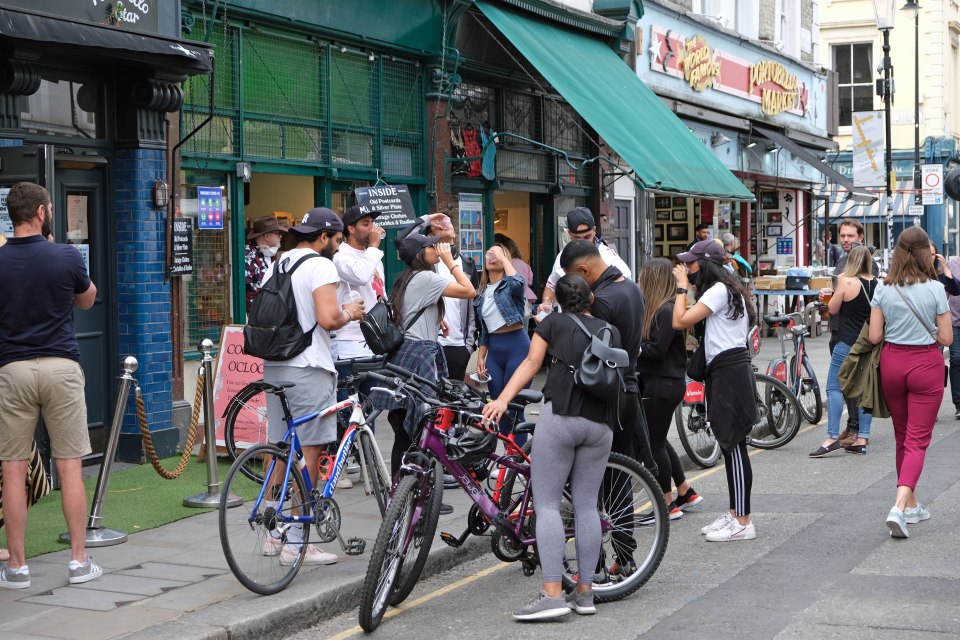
663 215
209 207
769 200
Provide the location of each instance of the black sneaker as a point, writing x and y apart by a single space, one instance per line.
690 499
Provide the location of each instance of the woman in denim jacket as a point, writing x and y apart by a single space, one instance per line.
504 341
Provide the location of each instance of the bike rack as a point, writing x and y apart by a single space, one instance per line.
98 536
209 499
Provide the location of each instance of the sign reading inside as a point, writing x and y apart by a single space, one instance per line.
182 247
235 370
392 201
209 208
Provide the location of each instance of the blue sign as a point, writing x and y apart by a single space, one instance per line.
784 246
209 208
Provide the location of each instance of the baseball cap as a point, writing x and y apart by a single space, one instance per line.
319 219
579 217
409 247
705 249
354 213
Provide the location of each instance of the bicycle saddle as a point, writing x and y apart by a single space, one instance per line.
276 388
777 321
528 396
524 427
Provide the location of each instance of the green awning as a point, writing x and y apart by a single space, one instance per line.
662 151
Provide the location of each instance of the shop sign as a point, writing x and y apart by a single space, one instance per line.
391 200
209 207
182 247
766 83
134 15
932 183
700 65
6 225
236 369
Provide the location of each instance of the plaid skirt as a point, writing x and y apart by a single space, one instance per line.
424 358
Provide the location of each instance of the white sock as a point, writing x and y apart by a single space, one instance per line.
295 534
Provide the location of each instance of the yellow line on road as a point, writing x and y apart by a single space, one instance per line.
483 573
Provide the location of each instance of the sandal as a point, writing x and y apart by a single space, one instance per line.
830 448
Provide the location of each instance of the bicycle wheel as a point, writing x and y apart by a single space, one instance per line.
379 481
509 492
635 526
252 537
389 551
245 423
431 488
778 414
811 404
695 434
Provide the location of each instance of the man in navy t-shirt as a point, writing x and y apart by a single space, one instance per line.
40 375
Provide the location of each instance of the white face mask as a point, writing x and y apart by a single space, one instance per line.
269 251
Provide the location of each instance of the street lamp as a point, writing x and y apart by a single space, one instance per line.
886 13
912 9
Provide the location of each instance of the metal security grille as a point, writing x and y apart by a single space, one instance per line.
402 117
521 114
473 104
353 100
219 137
563 128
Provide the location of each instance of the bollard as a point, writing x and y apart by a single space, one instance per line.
211 498
98 536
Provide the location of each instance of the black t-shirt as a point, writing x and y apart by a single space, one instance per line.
37 289
621 304
565 344
665 354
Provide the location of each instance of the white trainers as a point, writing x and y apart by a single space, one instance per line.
917 514
344 482
313 556
719 523
271 546
733 531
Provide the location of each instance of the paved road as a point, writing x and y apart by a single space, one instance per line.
823 564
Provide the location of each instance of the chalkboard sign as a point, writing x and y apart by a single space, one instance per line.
182 247
392 201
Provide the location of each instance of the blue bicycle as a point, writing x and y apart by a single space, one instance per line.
266 539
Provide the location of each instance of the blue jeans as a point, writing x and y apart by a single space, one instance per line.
835 399
955 369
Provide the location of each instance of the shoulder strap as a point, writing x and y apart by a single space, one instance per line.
915 314
606 326
416 317
296 264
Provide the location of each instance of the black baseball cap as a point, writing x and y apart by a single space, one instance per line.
319 219
409 247
579 217
354 213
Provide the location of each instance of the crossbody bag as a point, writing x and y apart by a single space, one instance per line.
946 367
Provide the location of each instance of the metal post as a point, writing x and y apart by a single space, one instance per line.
96 535
887 71
211 498
917 196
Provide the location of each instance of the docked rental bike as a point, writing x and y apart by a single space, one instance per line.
796 371
454 439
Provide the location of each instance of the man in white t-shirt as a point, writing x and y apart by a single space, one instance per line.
318 237
582 225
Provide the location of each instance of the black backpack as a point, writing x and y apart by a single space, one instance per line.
600 370
380 330
273 330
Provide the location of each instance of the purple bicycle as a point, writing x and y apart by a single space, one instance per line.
453 438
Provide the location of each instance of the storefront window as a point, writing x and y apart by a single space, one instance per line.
206 292
63 108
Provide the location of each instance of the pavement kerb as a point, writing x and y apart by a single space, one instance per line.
267 618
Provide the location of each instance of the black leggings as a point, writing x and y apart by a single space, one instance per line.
660 397
739 478
401 441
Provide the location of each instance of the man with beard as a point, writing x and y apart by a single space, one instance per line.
318 236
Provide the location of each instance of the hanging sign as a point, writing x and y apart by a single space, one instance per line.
391 200
209 208
182 247
932 183
867 133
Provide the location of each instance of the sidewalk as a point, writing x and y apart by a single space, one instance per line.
173 581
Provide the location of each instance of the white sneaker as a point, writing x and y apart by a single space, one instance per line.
271 546
313 556
719 523
733 531
344 482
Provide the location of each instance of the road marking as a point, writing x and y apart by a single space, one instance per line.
483 573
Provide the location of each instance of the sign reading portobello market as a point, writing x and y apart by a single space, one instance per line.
391 200
134 15
691 59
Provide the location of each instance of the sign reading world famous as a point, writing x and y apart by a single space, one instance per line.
391 200
691 59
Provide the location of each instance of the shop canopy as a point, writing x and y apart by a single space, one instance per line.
662 151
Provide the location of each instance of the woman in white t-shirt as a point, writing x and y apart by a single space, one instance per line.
730 384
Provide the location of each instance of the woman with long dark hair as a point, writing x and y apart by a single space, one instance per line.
730 384
574 436
417 304
851 304
660 374
909 312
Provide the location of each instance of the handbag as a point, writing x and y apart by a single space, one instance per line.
38 482
381 332
697 364
946 367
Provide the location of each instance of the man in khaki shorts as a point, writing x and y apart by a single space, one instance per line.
40 375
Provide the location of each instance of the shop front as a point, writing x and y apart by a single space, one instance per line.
85 93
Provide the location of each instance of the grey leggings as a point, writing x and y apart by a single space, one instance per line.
574 447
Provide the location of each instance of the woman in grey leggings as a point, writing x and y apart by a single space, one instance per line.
573 439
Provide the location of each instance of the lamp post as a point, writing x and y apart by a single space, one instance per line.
886 12
912 7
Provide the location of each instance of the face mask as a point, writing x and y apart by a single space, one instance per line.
269 251
693 278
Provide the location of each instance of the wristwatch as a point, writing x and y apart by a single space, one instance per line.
679 290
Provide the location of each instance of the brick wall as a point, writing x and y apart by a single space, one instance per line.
143 298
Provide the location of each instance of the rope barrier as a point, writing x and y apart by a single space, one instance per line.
148 447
